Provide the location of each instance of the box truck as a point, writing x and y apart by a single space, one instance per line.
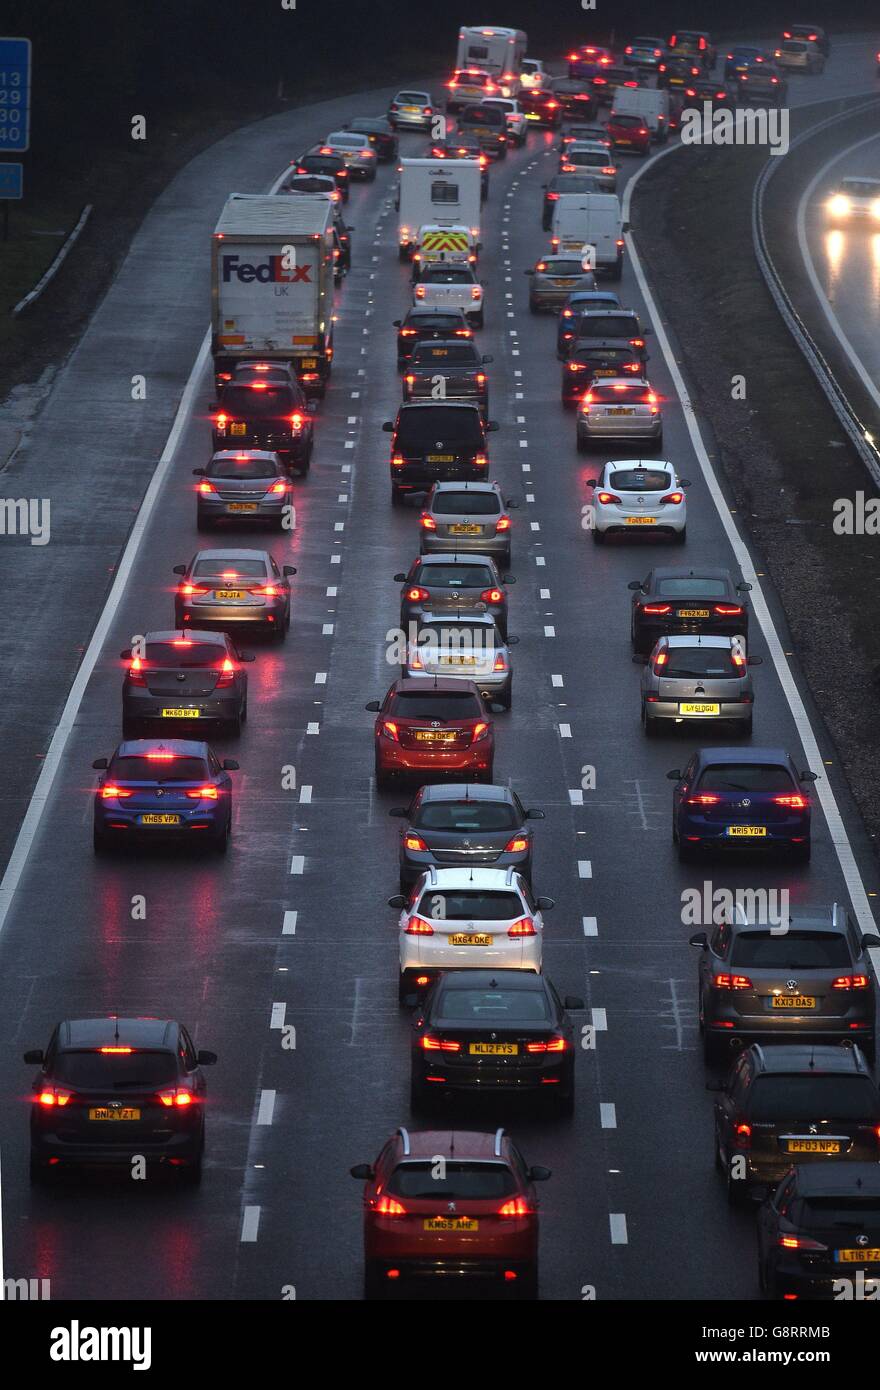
437 193
273 260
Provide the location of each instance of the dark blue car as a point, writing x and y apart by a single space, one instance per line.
171 790
575 305
730 799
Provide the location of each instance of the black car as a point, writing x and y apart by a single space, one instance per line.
589 360
481 1032
423 323
113 1089
677 71
463 146
677 599
609 79
489 125
791 1104
184 677
433 442
542 107
812 978
820 1231
457 362
464 823
313 163
565 183
577 96
467 583
719 96
380 134
618 326
262 414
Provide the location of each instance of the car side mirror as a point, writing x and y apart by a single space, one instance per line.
492 425
487 358
743 588
230 765
716 1085
399 578
572 1002
545 903
100 764
538 1173
513 641
395 323
511 503
373 707
362 1171
699 938
246 656
756 661
871 939
387 426
179 569
534 814
312 407
808 776
198 472
528 272
592 482
685 482
496 708
126 654
635 585
625 227
674 775
397 901
640 659
206 1058
398 811
508 579
35 1057
287 570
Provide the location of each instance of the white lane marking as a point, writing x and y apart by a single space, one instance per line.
585 868
806 255
617 1221
827 799
331 591
591 926
565 731
339 526
349 443
557 681
346 468
305 795
352 419
326 629
343 497
266 1109
526 467
289 925
320 678
250 1224
608 1115
575 796
336 559
297 863
543 593
313 727
600 1020
535 525
278 1013
520 419
539 560
549 630
530 497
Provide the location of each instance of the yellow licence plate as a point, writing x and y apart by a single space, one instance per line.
241 506
128 1112
238 429
458 660
812 1146
692 613
461 530
693 707
309 363
482 1049
411 109
794 1001
173 713
624 142
428 736
229 593
641 520
563 282
605 371
463 938
450 1223
855 1257
441 458
619 410
160 820
746 831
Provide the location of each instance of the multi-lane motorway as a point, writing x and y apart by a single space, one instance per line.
292 927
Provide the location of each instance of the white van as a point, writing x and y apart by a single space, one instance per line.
651 103
437 193
590 219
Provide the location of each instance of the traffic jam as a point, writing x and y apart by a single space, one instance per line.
433 340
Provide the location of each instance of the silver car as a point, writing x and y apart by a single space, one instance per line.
589 157
855 199
414 110
692 679
462 646
242 485
232 588
618 408
800 56
554 278
467 517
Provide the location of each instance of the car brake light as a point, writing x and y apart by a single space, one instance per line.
606 497
728 610
420 291
657 608
409 379
187 589
389 729
206 488
427 522
136 671
727 981
397 460
176 1097
476 292
481 378
114 793
502 524
417 595
674 497
480 731
517 1206
609 169
407 333
296 420
796 801
551 1045
439 1044
220 422
703 799
480 460
53 1096
203 793
416 843
523 927
660 660
500 663
417 926
279 487
516 845
388 1206
800 1243
227 672
850 982
743 1136
579 367
267 590
492 596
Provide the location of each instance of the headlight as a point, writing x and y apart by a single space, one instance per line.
839 205
875 208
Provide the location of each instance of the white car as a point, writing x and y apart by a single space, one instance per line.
618 408
442 285
588 157
468 919
462 646
855 200
355 151
517 126
532 75
639 495
800 56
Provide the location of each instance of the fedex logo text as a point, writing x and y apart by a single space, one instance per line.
268 272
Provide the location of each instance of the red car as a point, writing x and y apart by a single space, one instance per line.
477 1220
432 727
542 107
629 133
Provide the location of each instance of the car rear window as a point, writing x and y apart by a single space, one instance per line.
625 121
138 767
414 98
787 1099
466 504
447 323
482 115
590 157
572 183
851 1213
792 951
472 904
115 1070
634 393
475 1182
607 356
633 479
683 586
447 275
746 777
181 654
347 142
224 568
454 576
425 426
554 266
242 468
449 706
714 662
476 639
261 398
608 326
504 1006
792 46
468 817
454 355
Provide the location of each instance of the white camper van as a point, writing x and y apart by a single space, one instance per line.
437 193
495 50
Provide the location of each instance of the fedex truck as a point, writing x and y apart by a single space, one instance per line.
495 50
273 260
439 193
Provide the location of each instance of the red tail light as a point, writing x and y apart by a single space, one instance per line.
727 981
296 420
492 596
136 672
417 595
417 926
388 1206
502 524
220 422
278 488
409 379
476 292
389 729
516 845
579 367
53 1095
799 1243
227 673
420 291
397 460
674 497
481 378
657 608
660 660
407 333
796 801
850 982
551 1045
637 342
743 1136
703 799
205 488
606 497
609 169
525 926
109 792
125 1050
480 731
439 1044
728 610
416 843
500 663
203 793
187 589
267 590
552 197
427 522
517 1206
177 1098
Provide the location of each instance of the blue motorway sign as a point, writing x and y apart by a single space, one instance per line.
11 180
15 95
